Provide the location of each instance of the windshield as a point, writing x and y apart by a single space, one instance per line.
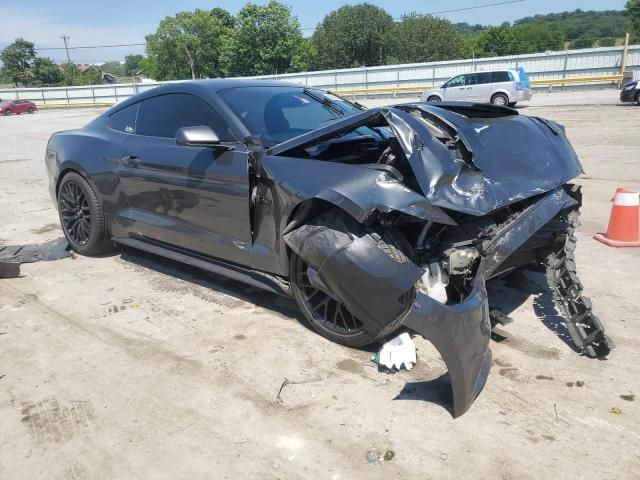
277 114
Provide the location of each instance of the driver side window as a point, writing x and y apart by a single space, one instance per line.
455 82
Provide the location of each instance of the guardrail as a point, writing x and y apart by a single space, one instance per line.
538 83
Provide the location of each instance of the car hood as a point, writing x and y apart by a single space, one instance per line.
484 158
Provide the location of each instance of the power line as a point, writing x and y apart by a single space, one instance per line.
485 5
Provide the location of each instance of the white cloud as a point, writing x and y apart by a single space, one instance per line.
45 27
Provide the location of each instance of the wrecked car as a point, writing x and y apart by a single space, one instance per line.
374 220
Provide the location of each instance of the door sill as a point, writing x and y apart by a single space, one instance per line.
261 280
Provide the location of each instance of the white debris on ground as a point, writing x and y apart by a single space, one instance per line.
397 352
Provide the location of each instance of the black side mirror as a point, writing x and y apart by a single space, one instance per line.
200 136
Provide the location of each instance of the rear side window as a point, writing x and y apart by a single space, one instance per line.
483 78
124 120
499 77
162 116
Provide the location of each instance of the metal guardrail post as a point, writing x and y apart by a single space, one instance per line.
564 69
66 91
93 94
115 93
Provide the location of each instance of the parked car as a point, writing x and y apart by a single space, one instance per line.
9 107
373 220
630 93
500 87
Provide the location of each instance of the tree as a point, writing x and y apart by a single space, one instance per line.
496 41
46 73
266 40
191 44
632 12
305 57
535 37
420 38
17 60
132 64
353 35
114 67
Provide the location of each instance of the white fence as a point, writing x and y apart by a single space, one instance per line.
540 66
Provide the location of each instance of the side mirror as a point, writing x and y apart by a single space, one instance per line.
200 136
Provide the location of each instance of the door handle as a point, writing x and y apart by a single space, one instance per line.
130 161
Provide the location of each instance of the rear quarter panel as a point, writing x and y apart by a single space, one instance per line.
92 152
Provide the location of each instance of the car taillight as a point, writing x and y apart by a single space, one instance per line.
519 86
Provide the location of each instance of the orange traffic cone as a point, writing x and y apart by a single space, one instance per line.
624 222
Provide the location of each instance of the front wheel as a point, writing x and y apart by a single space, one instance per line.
638 99
500 99
81 216
328 316
8 112
433 99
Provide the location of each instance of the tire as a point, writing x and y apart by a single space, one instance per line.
351 331
433 99
8 113
31 110
638 99
81 216
500 99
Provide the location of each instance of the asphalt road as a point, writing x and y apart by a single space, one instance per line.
131 366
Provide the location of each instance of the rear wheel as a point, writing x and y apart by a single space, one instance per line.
433 99
81 216
31 110
328 316
500 99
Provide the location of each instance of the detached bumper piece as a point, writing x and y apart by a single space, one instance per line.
585 328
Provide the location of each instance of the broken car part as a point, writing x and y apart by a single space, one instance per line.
374 220
11 256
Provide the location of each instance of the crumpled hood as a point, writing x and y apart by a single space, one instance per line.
510 157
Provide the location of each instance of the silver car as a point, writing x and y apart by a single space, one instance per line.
500 87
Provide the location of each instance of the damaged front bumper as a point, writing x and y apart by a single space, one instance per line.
374 287
461 332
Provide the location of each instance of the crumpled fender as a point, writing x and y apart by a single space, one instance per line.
353 269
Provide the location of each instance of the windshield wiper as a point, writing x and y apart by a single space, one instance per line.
325 101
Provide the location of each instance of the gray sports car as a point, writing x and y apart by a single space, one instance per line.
374 220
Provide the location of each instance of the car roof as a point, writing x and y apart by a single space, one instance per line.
204 88
493 70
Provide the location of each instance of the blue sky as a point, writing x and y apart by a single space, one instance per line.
91 22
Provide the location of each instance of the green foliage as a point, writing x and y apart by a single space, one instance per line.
132 64
353 35
584 24
496 41
191 44
265 40
305 57
581 42
467 29
17 60
420 38
46 72
632 13
113 67
532 37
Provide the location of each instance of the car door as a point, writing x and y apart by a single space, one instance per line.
481 88
455 89
193 198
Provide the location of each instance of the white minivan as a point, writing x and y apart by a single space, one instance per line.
500 87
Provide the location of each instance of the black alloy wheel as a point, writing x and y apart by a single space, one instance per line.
75 213
81 216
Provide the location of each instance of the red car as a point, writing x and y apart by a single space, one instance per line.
9 107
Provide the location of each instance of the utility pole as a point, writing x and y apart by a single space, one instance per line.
66 47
